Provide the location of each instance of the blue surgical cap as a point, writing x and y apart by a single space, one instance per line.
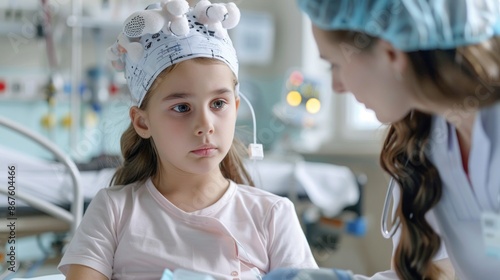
410 25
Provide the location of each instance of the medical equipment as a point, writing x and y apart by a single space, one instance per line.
300 112
255 150
385 213
324 227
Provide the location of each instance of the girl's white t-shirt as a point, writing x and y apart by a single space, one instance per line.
134 232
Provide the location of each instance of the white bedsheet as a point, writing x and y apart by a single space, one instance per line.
47 179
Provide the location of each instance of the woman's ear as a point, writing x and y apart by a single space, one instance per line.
139 121
397 59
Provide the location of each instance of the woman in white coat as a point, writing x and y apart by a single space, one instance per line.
431 70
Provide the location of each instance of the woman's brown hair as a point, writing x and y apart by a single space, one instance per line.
140 159
463 76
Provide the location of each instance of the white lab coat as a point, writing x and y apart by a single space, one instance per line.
457 215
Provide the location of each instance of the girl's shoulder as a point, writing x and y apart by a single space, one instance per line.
122 193
255 191
254 195
262 206
129 188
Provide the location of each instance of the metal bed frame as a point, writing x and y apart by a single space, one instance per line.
55 214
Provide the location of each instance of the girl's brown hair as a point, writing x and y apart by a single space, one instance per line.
463 76
140 159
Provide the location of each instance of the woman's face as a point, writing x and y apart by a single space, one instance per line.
369 75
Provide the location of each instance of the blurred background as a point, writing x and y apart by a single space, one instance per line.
55 81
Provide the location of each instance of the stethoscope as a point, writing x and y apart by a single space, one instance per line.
388 233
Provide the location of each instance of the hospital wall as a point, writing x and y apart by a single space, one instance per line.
292 48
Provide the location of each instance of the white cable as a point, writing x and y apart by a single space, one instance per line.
255 150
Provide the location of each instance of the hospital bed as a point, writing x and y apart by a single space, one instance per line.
16 185
51 195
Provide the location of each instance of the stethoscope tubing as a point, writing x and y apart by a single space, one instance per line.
386 232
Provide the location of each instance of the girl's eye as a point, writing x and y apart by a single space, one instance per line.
219 104
181 108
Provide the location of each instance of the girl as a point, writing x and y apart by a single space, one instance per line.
180 199
431 70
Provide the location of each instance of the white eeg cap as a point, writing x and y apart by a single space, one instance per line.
170 32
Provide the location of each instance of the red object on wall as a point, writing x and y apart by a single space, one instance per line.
3 86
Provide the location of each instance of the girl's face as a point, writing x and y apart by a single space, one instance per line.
191 116
369 75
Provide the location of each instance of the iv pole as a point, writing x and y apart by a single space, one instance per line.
76 68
